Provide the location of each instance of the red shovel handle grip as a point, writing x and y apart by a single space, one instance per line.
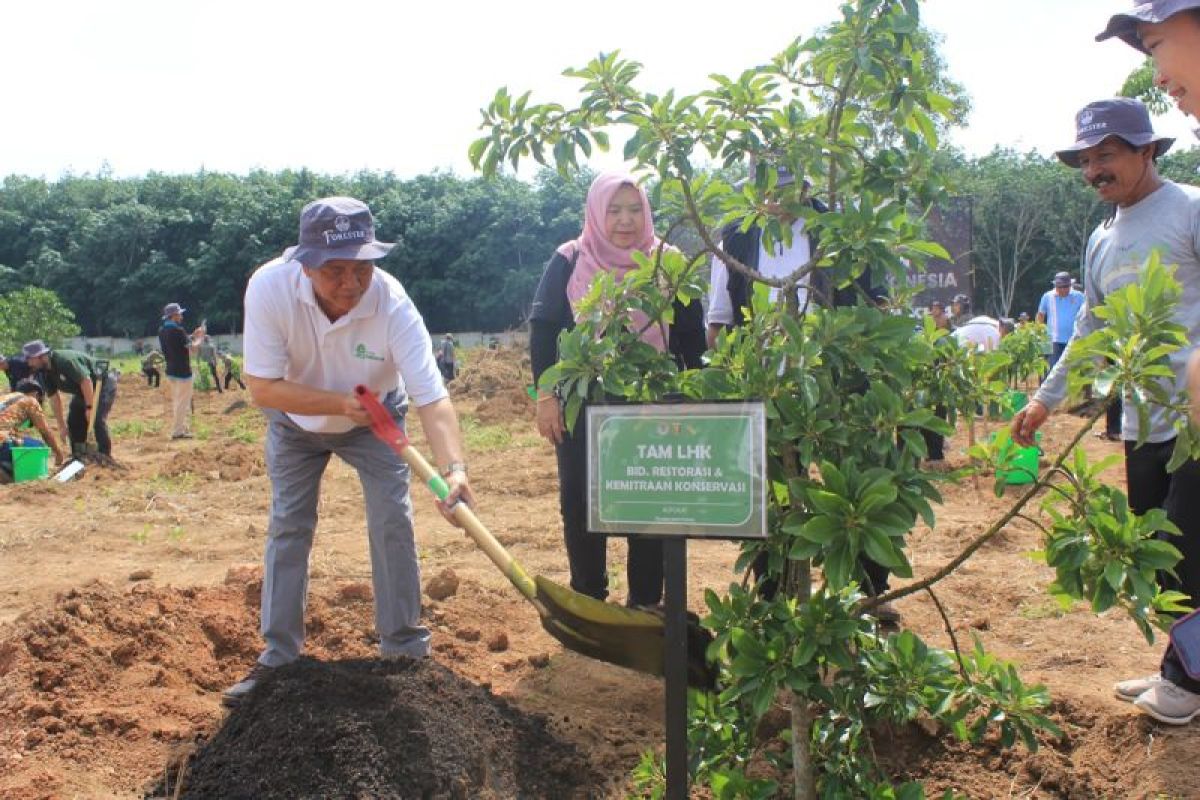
382 423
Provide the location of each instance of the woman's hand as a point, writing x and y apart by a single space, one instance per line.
550 419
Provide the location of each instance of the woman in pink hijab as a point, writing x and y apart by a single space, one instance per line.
617 223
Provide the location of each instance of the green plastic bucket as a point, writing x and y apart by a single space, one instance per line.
1024 465
30 463
1015 402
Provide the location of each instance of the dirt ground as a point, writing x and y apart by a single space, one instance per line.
129 599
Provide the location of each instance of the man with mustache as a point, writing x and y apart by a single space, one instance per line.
1169 32
1116 150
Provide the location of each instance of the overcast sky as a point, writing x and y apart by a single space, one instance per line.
177 85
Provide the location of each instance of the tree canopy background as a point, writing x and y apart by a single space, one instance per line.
469 251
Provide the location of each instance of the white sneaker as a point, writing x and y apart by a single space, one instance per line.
1169 703
1134 688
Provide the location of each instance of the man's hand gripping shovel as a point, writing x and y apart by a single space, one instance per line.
626 637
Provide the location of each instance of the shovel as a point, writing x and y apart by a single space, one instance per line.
623 636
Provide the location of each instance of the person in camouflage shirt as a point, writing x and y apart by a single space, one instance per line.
20 409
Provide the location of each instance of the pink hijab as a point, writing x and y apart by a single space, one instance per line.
597 254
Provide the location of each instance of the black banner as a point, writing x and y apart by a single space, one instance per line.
949 224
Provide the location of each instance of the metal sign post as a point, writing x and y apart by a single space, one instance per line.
677 471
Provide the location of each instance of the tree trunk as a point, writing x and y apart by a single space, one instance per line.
799 586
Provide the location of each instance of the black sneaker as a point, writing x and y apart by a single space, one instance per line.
234 695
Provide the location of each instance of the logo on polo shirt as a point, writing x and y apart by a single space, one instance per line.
366 354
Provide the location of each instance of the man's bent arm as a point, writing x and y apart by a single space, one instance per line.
295 398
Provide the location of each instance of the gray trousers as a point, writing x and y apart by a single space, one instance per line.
296 459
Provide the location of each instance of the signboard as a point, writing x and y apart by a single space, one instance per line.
949 224
695 470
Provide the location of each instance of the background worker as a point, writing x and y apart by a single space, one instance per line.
207 350
1057 311
446 357
981 334
232 373
1116 150
321 320
150 368
937 312
177 349
93 393
17 409
17 369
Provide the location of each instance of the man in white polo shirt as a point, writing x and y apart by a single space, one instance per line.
320 320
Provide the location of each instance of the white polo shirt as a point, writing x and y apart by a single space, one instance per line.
980 333
382 343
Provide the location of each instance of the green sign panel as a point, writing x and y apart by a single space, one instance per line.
694 470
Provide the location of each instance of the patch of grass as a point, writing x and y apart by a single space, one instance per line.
482 438
172 483
135 428
201 429
1041 609
246 427
527 440
142 536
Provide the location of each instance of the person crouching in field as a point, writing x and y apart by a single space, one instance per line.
320 320
93 391
1116 150
18 409
151 368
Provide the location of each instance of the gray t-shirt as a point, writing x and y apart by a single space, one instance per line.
1168 220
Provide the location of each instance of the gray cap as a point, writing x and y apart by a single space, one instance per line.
1124 26
34 349
336 227
1062 279
171 309
1123 117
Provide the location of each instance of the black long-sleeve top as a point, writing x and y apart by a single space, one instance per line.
552 314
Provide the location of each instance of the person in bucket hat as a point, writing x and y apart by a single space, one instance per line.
1122 118
93 390
1169 32
177 348
321 320
1115 150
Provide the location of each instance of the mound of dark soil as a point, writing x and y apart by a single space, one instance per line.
382 729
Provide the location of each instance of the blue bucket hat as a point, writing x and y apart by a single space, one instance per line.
336 227
1122 117
1124 26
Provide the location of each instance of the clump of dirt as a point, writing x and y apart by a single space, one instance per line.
402 728
114 677
231 461
506 406
488 373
